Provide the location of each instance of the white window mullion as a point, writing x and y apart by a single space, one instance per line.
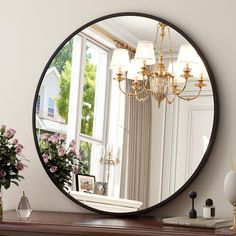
76 86
80 91
99 106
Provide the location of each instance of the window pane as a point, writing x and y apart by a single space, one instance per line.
85 150
94 91
50 112
50 103
50 107
53 99
89 161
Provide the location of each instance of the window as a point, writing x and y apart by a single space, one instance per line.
89 118
50 107
94 90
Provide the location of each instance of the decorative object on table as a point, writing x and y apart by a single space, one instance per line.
100 188
24 209
198 222
11 160
208 209
192 212
108 159
59 159
230 192
230 187
85 183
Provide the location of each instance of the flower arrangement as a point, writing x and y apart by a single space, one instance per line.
11 159
59 160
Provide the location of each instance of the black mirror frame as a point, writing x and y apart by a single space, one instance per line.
214 127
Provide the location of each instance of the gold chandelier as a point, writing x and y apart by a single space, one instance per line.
144 77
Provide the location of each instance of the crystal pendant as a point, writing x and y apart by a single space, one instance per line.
24 209
159 89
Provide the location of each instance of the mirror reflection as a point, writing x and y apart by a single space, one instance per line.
124 114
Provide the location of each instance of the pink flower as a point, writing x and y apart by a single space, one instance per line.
20 166
73 151
45 158
53 169
72 143
15 141
62 137
9 133
60 152
54 139
44 136
20 145
78 157
2 173
75 169
19 148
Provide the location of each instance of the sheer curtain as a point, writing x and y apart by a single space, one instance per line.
136 154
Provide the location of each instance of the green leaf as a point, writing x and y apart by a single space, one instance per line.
14 182
7 184
21 177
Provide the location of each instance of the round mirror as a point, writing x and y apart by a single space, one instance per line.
125 114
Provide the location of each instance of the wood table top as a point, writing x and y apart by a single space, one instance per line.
68 224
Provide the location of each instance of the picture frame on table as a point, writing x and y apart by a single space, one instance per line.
85 183
101 188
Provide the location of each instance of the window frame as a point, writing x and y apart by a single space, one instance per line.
77 135
51 105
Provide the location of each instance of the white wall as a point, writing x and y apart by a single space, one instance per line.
30 32
50 90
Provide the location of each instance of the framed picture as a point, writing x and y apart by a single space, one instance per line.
100 188
85 183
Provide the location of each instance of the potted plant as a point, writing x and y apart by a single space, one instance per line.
60 158
11 160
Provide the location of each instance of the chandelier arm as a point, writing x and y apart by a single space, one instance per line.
173 96
170 101
168 86
129 94
142 99
143 89
191 98
147 90
184 87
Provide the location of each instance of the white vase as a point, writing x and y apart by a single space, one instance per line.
230 192
230 186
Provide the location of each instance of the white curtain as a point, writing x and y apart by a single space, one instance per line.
136 150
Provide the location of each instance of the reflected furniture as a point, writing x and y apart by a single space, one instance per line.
68 224
106 203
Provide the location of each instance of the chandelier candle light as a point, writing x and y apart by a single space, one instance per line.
160 82
108 159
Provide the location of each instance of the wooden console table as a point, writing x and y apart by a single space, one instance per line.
71 224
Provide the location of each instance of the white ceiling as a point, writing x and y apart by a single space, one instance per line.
132 29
